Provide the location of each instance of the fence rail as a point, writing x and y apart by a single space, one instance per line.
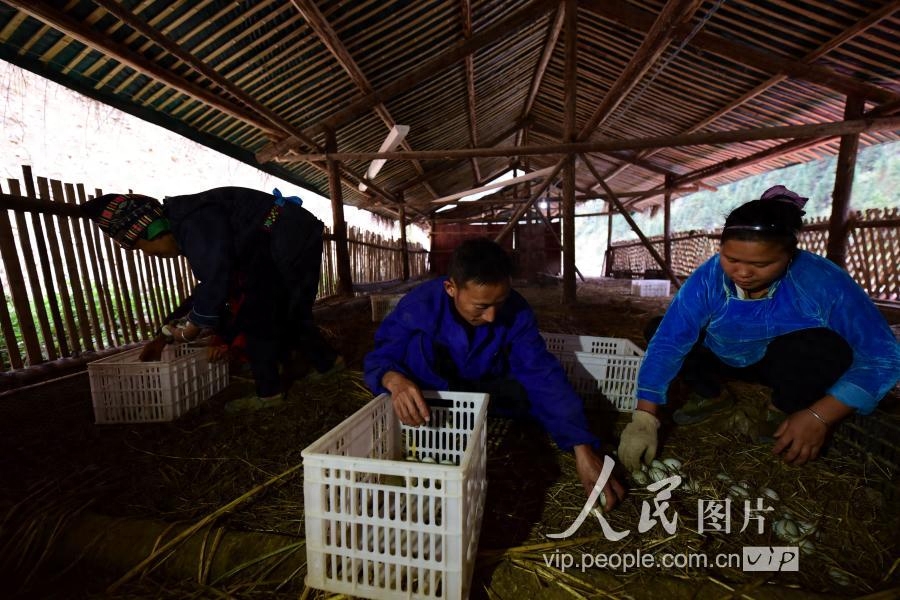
873 251
69 290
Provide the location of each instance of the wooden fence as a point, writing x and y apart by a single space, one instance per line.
873 251
69 290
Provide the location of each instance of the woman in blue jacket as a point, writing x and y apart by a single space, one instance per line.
268 242
763 310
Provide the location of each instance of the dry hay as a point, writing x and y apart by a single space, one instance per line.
56 468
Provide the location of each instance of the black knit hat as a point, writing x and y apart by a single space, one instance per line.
123 217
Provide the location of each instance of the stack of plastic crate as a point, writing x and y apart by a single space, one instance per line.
599 367
650 287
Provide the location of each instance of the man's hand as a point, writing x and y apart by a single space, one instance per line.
409 404
639 438
589 465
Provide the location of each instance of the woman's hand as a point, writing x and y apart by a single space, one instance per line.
800 437
803 433
409 403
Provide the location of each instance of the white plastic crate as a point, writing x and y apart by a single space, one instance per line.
381 526
599 366
650 287
382 304
126 390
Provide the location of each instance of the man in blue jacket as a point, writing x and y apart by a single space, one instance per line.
472 332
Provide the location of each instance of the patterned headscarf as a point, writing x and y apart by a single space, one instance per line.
123 217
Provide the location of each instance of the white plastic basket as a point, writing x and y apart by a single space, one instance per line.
650 287
599 367
126 390
381 526
382 304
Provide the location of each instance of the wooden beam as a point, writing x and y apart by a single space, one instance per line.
673 15
570 81
330 39
634 226
638 19
523 17
339 226
848 34
838 224
447 165
556 24
525 206
452 198
469 62
404 247
828 129
667 220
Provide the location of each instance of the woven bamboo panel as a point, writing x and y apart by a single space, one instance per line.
872 255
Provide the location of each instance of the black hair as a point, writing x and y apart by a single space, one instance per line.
768 220
480 260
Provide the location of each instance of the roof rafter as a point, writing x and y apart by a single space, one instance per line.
641 20
327 35
674 14
512 23
466 7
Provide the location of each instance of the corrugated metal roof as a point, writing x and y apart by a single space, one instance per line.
241 76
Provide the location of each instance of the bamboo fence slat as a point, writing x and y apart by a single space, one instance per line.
17 290
71 270
101 284
90 305
37 295
54 243
9 334
46 269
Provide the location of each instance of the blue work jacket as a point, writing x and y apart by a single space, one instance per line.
510 346
813 292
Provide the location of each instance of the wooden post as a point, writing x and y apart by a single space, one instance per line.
836 250
568 213
339 229
634 226
404 248
667 220
609 254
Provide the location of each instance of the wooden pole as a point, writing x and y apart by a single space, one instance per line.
818 130
634 226
836 250
568 206
667 221
344 276
608 253
404 247
527 205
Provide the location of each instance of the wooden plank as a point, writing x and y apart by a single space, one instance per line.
71 269
90 302
101 283
34 281
18 291
51 230
46 267
9 333
134 287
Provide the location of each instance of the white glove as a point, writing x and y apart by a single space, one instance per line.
639 439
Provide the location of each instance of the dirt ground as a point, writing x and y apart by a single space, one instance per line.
78 500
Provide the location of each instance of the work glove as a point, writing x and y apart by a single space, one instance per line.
639 438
